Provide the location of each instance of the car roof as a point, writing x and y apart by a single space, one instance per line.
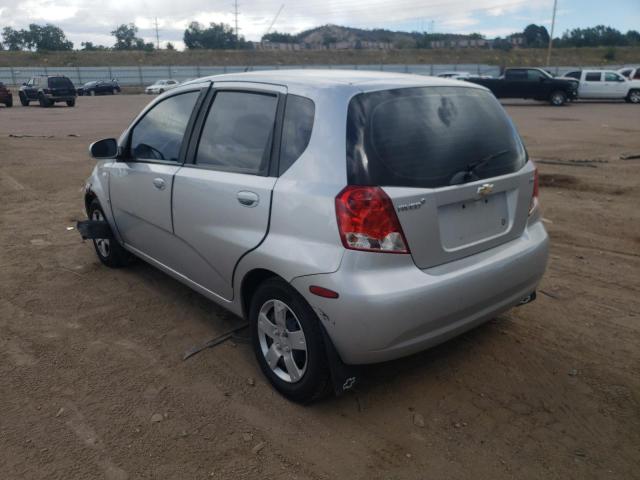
309 81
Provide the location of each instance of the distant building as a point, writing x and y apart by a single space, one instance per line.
464 42
342 45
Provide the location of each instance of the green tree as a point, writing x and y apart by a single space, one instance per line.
13 39
215 36
536 36
90 47
48 38
127 39
279 37
170 46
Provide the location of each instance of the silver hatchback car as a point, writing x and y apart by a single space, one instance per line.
351 217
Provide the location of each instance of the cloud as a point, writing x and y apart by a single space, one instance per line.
82 22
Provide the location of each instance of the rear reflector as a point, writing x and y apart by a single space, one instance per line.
367 221
323 292
536 191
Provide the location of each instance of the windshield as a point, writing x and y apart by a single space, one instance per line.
424 137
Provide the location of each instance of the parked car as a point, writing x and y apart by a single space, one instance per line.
6 96
338 253
47 90
99 87
455 75
630 73
606 84
530 83
161 86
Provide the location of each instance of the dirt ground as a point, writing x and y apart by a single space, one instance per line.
88 355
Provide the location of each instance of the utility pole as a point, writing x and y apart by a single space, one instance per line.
157 35
236 13
553 24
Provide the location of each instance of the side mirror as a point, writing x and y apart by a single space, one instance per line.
104 149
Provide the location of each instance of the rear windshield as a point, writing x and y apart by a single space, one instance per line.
60 82
429 137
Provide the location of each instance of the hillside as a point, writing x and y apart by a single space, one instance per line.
525 57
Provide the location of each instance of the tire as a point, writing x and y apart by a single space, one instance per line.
109 251
301 375
161 91
71 103
44 103
558 98
633 96
24 100
9 103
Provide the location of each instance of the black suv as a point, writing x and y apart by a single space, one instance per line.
47 90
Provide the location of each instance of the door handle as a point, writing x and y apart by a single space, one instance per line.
248 199
159 183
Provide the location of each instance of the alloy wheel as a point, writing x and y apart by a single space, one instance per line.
282 341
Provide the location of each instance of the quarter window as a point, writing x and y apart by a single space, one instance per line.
159 135
296 129
238 132
593 77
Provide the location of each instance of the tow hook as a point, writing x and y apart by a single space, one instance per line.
528 299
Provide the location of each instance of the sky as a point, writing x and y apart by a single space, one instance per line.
92 21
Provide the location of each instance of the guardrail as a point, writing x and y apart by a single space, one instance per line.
146 75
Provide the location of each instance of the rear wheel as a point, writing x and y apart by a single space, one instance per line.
288 343
9 102
71 103
24 100
558 98
44 102
633 96
109 251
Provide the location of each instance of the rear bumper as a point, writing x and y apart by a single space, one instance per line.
388 308
59 98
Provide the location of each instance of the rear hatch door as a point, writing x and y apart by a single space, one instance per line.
452 163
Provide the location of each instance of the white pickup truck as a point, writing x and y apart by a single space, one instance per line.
606 84
631 73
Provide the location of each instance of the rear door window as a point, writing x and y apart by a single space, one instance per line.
575 75
593 77
159 134
238 133
513 74
429 137
296 129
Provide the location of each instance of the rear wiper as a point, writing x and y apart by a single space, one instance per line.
468 173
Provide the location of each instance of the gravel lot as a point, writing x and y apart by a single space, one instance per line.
89 355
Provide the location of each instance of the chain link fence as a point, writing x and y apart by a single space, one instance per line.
139 76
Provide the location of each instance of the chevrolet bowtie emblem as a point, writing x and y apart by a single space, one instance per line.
485 189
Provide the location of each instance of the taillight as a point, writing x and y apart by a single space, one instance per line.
367 221
536 191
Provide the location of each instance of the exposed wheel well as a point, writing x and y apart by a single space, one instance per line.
88 198
250 283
